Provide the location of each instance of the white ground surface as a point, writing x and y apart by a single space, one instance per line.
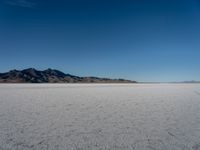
100 117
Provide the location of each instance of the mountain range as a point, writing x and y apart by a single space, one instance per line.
32 75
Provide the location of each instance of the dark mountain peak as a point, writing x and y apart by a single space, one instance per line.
13 71
54 72
31 75
30 70
49 70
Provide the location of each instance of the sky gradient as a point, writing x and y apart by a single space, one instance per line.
143 40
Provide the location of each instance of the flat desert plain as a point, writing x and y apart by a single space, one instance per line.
99 116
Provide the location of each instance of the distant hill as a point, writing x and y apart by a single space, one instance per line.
32 75
192 81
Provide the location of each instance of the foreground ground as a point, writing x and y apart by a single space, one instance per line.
99 116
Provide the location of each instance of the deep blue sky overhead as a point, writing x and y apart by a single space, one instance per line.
143 40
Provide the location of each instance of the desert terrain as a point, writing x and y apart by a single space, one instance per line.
99 116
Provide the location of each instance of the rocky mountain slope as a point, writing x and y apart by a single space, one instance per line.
32 75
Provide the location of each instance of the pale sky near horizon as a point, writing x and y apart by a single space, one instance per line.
143 40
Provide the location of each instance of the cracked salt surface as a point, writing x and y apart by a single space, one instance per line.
99 117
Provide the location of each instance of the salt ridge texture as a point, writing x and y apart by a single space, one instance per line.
99 116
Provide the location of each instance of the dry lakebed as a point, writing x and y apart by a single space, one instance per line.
99 116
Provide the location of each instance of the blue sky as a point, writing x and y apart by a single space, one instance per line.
143 40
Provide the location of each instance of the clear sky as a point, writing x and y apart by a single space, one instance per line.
143 40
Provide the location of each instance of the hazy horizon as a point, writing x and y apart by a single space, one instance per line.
141 40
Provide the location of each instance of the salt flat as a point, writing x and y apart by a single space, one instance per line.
99 116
